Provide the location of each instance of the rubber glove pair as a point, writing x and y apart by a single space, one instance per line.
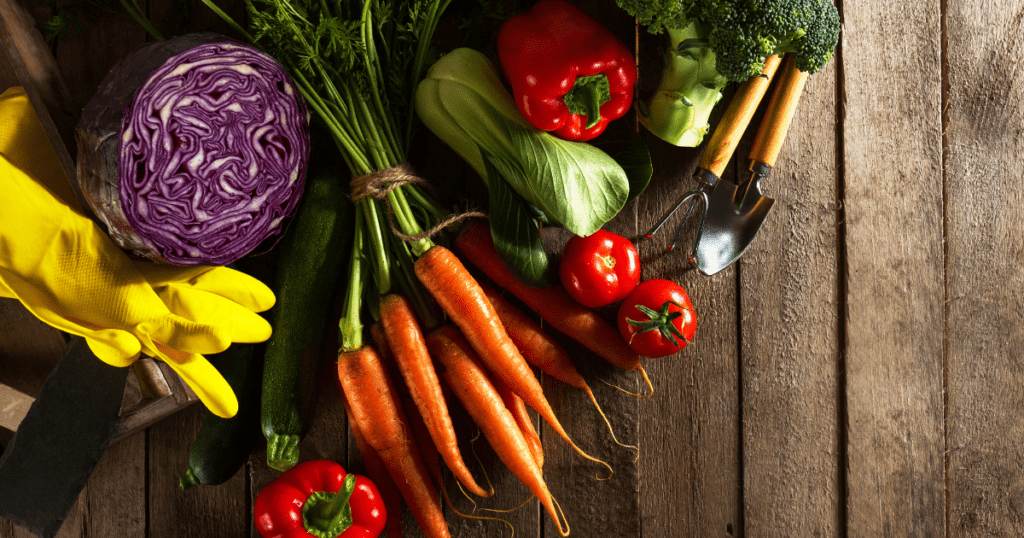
68 272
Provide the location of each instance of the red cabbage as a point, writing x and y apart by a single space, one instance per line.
194 150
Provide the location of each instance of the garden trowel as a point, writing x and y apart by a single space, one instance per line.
719 151
735 213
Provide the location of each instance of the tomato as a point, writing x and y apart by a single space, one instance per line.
599 269
657 318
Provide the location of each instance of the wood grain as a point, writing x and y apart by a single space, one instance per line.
894 290
790 315
690 459
985 249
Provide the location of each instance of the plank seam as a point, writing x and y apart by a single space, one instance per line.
842 285
946 309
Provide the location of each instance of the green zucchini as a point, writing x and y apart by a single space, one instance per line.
310 259
223 445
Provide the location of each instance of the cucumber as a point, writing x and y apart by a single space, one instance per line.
310 259
223 445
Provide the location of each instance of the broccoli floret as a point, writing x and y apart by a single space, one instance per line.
728 41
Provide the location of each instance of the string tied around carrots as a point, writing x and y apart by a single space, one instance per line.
378 184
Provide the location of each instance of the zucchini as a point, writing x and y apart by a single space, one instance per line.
223 445
310 259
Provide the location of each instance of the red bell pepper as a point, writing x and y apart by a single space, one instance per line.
318 499
569 74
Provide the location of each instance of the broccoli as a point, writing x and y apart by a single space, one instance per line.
714 42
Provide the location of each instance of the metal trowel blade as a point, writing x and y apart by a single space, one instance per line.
734 216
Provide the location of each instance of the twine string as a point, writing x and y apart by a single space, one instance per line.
378 184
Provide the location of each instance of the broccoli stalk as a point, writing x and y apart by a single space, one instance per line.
714 42
679 110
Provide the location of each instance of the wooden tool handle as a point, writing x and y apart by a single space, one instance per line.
779 115
732 125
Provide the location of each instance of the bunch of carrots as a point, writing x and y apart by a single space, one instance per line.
481 350
357 63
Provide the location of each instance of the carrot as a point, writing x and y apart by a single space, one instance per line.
540 349
407 346
517 407
471 384
553 303
378 473
377 413
462 298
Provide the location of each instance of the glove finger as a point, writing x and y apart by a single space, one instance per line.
206 308
233 285
201 376
184 335
113 346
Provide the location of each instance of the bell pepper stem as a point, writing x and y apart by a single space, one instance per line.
591 100
329 514
586 97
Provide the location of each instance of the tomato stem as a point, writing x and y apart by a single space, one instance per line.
661 321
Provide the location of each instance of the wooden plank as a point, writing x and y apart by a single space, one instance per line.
985 249
894 292
689 429
199 511
790 333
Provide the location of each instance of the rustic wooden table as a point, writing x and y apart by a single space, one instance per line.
857 373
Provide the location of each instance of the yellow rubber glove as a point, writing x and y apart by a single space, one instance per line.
68 273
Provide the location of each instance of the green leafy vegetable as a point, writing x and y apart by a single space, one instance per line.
573 183
623 144
516 233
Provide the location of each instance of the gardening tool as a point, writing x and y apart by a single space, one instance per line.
735 213
58 444
719 151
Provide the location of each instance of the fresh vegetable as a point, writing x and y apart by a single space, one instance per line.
357 63
318 499
517 407
532 176
539 348
310 259
194 150
462 298
552 303
376 410
713 42
223 445
599 269
569 74
409 349
378 474
657 319
469 381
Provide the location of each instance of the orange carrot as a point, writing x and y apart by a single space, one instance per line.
378 473
407 346
377 412
460 296
540 349
553 303
517 407
471 384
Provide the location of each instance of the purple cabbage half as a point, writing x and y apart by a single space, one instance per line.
194 150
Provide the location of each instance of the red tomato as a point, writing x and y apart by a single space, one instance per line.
657 319
599 269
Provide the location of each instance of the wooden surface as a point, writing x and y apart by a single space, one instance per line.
857 373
